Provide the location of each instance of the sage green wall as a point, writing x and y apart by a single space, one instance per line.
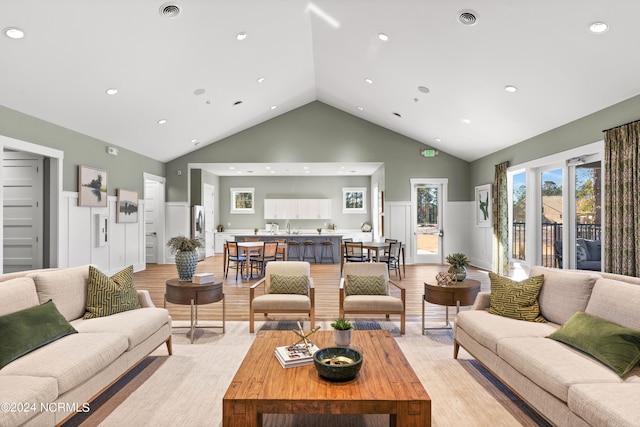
317 132
575 134
125 170
292 187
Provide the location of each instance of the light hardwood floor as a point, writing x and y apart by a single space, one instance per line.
326 278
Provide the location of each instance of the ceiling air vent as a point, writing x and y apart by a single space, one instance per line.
169 10
467 17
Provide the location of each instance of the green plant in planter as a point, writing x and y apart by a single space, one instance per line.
458 263
186 255
182 243
255 230
341 325
319 230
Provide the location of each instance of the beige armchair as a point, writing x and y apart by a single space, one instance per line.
362 293
288 288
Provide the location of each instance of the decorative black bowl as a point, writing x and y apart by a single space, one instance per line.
337 363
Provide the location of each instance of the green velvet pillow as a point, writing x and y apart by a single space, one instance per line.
110 295
29 329
285 284
366 285
517 300
614 345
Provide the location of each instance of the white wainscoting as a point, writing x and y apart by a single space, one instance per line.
178 217
460 231
78 236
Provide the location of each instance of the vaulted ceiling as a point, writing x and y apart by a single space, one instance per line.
413 66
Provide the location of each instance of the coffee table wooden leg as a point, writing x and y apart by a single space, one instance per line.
240 414
411 414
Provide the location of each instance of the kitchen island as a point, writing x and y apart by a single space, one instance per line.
334 238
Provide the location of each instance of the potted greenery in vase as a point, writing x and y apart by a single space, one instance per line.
342 332
458 263
186 255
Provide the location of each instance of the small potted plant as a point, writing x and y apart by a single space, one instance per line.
342 332
319 230
186 255
458 263
255 230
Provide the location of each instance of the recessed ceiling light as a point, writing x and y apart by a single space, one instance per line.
241 36
423 89
438 139
237 103
359 108
13 33
273 107
260 79
383 37
465 121
111 91
162 121
598 27
305 167
510 88
416 100
368 80
267 167
195 142
397 114
199 92
232 167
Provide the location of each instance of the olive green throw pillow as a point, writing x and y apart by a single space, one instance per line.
110 295
366 285
284 284
517 300
614 345
29 329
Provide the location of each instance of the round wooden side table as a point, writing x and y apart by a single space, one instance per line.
453 294
194 294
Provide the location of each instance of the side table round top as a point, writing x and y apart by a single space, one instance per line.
178 292
454 293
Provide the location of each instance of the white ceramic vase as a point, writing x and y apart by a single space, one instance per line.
342 337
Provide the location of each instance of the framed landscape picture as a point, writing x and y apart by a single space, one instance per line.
242 201
354 200
92 187
483 206
127 206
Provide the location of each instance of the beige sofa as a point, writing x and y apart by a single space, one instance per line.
565 385
47 385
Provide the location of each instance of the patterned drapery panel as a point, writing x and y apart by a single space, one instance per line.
500 220
622 199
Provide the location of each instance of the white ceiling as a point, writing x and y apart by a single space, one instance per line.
74 50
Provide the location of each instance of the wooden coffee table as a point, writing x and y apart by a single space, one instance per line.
386 384
453 294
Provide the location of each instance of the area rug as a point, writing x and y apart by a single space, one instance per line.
187 387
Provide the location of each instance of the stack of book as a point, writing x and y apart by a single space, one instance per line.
295 355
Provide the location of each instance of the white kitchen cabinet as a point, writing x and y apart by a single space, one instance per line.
219 239
275 209
297 208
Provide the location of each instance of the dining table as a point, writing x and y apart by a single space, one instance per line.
254 249
374 249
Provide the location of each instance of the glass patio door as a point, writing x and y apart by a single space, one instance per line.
427 201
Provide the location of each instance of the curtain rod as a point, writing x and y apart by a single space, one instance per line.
503 163
635 121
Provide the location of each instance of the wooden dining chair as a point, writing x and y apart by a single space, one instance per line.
235 259
268 254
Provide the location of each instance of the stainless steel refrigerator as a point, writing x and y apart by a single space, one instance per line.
197 228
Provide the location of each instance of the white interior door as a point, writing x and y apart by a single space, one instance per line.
23 211
209 219
154 219
428 197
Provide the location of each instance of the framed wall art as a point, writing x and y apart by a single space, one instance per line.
127 206
242 201
92 187
483 206
354 200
